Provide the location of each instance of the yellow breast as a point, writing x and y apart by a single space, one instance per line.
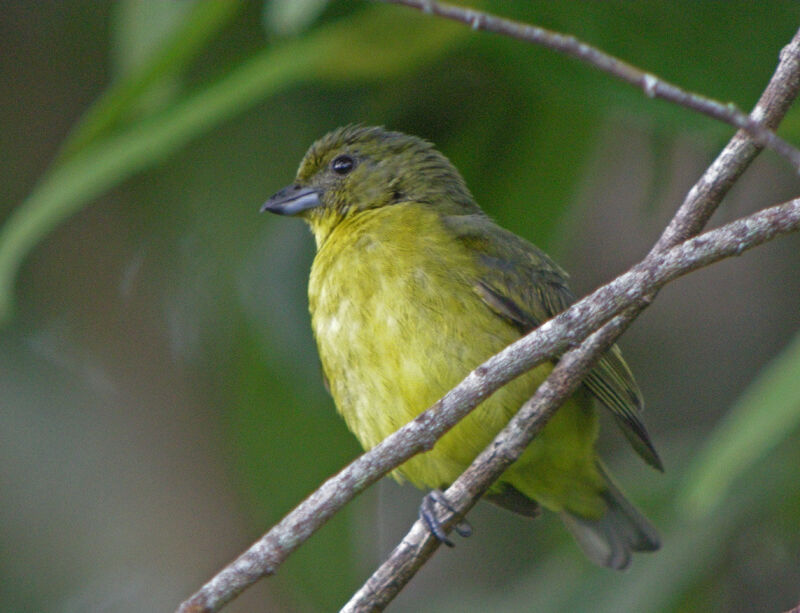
398 323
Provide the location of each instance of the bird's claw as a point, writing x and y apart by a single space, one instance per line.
427 513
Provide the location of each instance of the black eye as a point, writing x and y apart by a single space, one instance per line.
343 164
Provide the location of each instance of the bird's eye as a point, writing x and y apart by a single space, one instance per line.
343 164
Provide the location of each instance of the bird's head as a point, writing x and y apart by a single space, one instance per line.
358 168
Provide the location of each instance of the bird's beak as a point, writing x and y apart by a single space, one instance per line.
292 200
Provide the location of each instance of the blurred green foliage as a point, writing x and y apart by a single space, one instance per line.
168 310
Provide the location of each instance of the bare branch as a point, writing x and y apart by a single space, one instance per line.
419 544
652 85
706 195
553 337
700 203
612 306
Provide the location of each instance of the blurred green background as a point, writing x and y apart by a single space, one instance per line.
160 398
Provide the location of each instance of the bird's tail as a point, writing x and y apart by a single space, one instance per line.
609 540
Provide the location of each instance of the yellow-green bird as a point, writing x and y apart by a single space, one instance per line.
412 287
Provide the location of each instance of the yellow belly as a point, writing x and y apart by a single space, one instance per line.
397 328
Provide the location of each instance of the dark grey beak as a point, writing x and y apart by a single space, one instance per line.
292 200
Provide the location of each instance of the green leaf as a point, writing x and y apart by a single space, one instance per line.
149 66
290 17
141 29
766 414
360 47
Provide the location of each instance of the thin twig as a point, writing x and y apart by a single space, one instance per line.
630 291
702 200
706 195
553 337
418 545
652 85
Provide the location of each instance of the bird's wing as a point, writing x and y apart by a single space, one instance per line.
523 285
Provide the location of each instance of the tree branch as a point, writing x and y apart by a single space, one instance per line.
655 271
700 203
612 306
420 544
652 85
706 195
553 337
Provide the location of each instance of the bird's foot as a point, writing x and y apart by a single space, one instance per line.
427 513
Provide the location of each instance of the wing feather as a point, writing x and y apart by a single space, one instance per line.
523 285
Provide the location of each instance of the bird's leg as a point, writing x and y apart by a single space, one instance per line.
427 513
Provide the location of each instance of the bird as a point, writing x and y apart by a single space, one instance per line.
413 286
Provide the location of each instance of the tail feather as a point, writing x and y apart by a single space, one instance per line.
609 540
